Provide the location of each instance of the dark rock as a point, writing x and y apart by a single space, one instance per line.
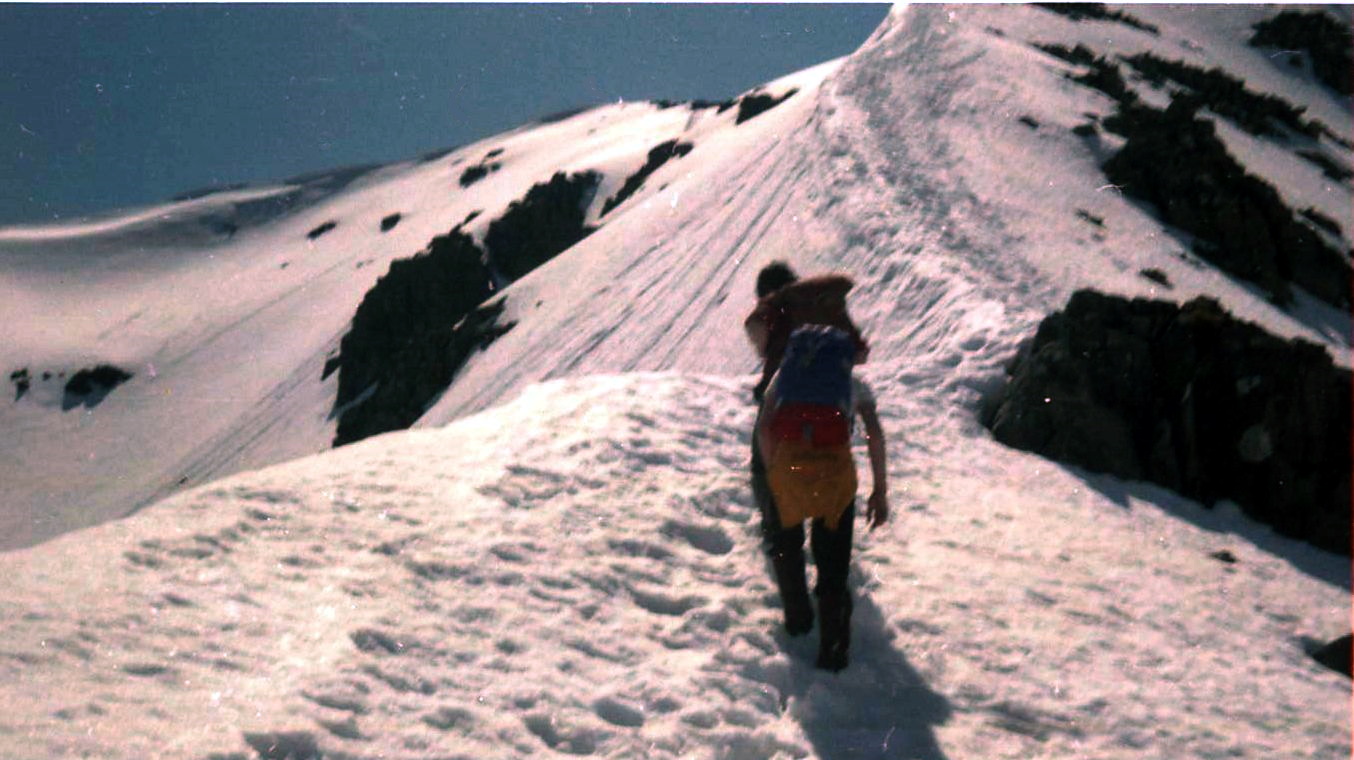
1224 556
1336 655
471 217
388 223
658 156
722 105
1322 221
1191 399
1101 74
1085 130
1326 41
1087 216
423 319
1328 166
409 337
1157 276
1029 121
495 153
1097 12
331 365
476 173
1226 95
323 228
91 386
1080 54
21 382
1175 161
545 222
751 106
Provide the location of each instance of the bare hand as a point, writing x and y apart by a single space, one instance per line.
877 510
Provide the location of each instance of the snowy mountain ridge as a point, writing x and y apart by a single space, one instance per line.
561 557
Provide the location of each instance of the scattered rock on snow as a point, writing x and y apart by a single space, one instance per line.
658 156
320 230
91 386
755 104
1097 12
1157 276
21 381
1192 399
478 172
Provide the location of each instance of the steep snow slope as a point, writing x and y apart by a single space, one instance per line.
937 165
225 308
577 573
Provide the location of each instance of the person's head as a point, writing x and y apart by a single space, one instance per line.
773 277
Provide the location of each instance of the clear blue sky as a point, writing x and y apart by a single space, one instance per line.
106 106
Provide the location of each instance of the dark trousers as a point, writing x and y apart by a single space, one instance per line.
831 554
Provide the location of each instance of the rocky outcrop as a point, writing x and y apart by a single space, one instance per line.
410 335
478 172
1257 113
388 223
658 156
321 230
535 229
1325 41
90 386
1097 12
1175 161
424 318
1192 399
755 104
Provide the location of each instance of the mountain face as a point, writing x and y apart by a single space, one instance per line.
1102 256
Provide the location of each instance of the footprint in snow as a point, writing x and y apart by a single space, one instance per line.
618 713
709 539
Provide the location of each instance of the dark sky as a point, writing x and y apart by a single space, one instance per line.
106 106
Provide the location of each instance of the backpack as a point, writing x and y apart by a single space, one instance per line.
805 427
819 300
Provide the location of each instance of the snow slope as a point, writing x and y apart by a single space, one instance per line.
577 573
906 165
571 567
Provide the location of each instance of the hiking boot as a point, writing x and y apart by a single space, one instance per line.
834 644
833 657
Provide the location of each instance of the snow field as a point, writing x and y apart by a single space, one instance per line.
578 573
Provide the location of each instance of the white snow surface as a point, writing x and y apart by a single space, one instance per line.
562 557
577 572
